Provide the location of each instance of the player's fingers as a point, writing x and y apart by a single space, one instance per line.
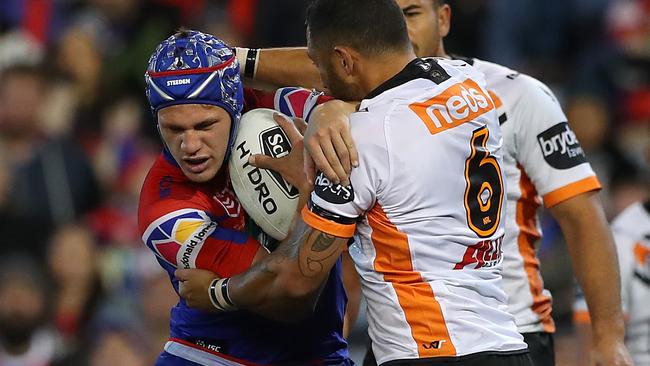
288 127
320 161
352 148
343 155
265 162
330 155
309 167
301 125
182 274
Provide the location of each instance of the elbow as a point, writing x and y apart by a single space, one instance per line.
300 297
298 287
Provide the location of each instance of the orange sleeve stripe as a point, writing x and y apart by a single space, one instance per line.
571 190
327 226
581 317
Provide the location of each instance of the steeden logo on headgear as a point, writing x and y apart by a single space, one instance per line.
179 82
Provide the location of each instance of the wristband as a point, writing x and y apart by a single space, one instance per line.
219 297
248 61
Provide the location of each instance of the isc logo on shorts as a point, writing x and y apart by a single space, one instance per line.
460 103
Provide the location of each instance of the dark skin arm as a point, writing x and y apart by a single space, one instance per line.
595 264
288 67
286 284
282 286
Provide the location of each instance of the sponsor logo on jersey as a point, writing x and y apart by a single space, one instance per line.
332 193
178 237
276 144
434 345
179 82
485 253
458 104
560 147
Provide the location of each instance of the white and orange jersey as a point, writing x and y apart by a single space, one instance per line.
542 162
427 205
631 231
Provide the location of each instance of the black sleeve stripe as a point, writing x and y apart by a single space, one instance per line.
329 215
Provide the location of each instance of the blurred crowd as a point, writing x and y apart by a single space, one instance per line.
77 286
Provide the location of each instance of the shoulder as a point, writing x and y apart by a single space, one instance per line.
291 101
166 190
516 89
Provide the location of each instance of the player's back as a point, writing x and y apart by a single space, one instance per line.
430 241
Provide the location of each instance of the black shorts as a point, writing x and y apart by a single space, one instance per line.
541 348
478 359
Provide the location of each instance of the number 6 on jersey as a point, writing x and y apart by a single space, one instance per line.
484 192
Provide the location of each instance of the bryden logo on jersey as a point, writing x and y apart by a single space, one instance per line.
178 237
460 103
560 147
332 193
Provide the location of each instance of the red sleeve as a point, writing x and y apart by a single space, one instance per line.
185 228
291 101
185 236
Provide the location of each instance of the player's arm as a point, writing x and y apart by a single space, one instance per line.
293 275
329 146
280 67
549 153
581 317
285 285
594 260
183 234
328 142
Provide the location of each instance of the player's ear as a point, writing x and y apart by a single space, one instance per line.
444 20
344 57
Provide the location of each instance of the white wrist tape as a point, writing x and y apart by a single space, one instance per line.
248 61
219 297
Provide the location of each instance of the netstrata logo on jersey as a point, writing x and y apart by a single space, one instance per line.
179 82
178 237
560 147
460 103
332 193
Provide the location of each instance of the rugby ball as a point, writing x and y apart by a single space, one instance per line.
267 198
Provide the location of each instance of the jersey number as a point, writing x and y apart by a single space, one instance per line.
484 191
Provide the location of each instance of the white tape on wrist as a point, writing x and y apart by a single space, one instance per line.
219 297
248 61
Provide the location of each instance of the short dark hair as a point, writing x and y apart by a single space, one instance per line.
369 26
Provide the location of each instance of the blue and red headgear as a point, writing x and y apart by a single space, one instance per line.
192 67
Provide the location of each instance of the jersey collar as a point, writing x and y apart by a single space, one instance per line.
416 69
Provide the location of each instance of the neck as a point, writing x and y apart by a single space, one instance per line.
441 50
380 69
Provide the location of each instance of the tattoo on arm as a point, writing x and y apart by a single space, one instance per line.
317 249
323 242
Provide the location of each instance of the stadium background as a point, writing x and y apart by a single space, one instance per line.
74 149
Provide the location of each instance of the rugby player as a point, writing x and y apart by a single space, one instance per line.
428 248
543 164
190 217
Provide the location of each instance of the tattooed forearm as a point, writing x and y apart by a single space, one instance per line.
323 242
312 260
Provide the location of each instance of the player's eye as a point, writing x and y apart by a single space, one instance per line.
204 126
411 14
175 130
